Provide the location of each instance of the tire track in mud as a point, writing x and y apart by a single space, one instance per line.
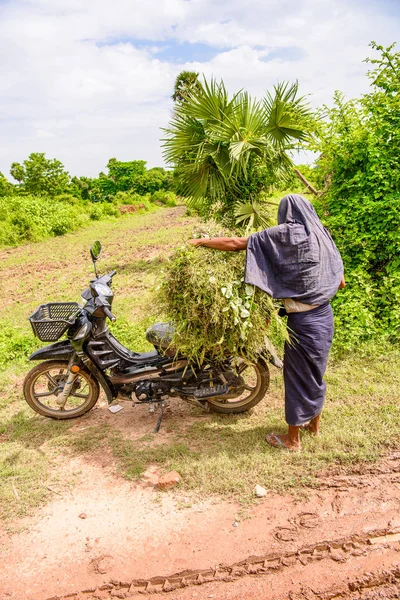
366 476
384 584
340 550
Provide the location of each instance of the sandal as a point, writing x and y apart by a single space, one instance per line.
279 443
305 427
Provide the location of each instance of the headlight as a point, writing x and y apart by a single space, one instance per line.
103 290
82 331
83 301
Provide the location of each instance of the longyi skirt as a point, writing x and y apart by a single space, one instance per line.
304 364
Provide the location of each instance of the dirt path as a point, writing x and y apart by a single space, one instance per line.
106 537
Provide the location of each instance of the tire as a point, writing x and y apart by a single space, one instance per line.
233 405
45 375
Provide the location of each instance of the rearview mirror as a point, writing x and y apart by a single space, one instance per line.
95 250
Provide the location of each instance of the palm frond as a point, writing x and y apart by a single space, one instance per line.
251 215
286 114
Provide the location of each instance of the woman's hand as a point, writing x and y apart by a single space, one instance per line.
222 243
342 283
195 243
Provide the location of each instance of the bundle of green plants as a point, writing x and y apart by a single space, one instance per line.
214 312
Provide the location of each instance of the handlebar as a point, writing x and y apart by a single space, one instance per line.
112 273
109 314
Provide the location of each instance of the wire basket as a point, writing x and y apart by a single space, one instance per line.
51 320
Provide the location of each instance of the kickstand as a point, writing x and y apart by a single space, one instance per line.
157 429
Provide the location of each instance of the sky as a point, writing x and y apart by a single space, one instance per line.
87 80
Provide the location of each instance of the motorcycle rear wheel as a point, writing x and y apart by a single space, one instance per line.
256 383
44 383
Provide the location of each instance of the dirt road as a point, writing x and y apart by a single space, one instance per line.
342 540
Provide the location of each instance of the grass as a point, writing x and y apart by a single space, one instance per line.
222 455
228 455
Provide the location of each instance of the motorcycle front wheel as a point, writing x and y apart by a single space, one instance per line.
43 386
250 386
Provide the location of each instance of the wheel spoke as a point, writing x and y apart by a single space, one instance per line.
50 378
243 389
43 394
79 395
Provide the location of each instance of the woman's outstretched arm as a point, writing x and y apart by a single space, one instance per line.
222 243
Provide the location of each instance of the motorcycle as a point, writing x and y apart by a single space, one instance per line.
66 383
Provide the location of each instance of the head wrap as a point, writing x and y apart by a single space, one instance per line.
296 259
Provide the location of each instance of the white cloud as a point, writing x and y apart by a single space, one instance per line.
78 83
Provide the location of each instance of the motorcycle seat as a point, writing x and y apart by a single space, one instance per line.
145 356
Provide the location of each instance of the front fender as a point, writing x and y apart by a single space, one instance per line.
108 388
62 350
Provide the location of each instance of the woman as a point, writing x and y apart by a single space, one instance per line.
296 261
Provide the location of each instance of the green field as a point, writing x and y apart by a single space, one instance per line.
214 454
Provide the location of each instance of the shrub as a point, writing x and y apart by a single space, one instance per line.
129 198
68 199
360 162
167 198
354 309
15 344
33 218
102 210
23 219
63 219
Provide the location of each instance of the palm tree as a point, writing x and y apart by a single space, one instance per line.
185 83
218 145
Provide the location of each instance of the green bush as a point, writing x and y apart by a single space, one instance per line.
354 309
34 218
167 198
360 162
15 344
103 210
68 199
23 219
130 198
145 204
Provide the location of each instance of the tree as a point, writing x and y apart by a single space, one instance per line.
186 83
359 164
6 187
103 188
131 176
122 174
152 181
39 175
18 172
228 150
81 187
